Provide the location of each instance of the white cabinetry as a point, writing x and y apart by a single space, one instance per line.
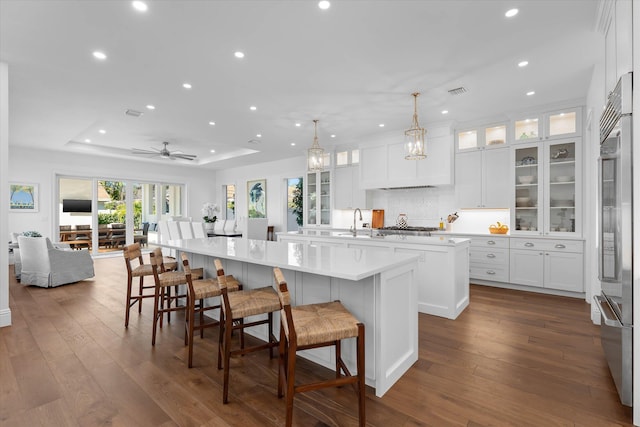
318 198
383 165
547 263
480 179
547 185
346 190
554 124
618 40
481 137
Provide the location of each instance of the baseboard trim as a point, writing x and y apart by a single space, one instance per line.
5 317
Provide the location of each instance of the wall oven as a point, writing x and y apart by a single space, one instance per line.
615 246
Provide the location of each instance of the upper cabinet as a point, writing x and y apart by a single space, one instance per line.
480 179
384 166
556 124
492 136
347 193
318 198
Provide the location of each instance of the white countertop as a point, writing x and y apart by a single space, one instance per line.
344 263
365 235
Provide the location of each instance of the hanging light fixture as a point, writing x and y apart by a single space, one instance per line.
415 147
315 154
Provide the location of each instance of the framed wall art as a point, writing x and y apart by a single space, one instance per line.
23 197
257 198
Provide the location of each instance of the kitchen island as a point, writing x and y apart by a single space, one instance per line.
377 287
443 263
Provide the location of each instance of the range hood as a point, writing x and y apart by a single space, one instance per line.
408 187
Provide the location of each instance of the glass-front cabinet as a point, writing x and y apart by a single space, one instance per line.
555 124
318 198
547 179
481 137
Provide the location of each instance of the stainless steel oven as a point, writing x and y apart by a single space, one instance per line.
615 246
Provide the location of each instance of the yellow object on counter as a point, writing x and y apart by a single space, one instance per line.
498 228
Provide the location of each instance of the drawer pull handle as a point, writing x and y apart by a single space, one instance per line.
491 272
560 246
491 242
529 244
491 256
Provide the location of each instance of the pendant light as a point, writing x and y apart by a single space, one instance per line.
415 147
315 154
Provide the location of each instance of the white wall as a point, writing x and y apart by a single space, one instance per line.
5 312
276 174
40 167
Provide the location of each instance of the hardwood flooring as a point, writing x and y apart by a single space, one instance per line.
511 359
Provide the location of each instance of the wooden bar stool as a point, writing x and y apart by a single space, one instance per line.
198 290
235 307
133 256
310 326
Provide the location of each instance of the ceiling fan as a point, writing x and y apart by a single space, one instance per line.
164 153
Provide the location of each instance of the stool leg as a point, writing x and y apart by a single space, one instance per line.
270 316
227 358
291 376
201 318
140 293
156 300
191 314
220 338
361 376
338 356
281 363
126 314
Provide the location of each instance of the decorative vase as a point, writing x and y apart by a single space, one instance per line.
401 222
209 226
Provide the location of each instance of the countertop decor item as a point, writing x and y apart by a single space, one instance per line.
452 217
401 222
498 228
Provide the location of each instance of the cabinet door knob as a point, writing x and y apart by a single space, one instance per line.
560 246
491 256
529 244
491 242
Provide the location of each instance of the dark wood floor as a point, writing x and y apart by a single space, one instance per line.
512 358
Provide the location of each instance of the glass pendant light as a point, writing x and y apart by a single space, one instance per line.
415 145
315 154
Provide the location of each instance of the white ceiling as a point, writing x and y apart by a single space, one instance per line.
352 66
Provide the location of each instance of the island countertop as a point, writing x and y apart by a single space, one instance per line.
366 235
341 262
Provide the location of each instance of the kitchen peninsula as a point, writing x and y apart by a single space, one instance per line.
377 287
443 263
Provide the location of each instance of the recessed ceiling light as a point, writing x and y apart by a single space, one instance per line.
151 107
333 136
298 125
258 135
253 108
102 131
445 111
186 85
531 92
140 6
213 151
239 54
99 55
381 125
523 63
212 123
87 140
293 143
511 13
324 5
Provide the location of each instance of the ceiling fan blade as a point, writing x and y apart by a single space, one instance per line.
183 156
141 151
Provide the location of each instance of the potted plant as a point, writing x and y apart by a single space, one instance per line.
209 211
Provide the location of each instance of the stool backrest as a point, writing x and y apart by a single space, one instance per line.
286 319
157 261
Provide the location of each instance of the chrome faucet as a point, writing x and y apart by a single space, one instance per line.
355 233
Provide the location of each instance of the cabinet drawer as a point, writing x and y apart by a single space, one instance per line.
547 244
498 257
496 274
489 242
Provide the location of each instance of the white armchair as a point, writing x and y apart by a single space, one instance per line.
46 266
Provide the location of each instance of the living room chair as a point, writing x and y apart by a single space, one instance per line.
197 292
46 266
311 326
236 306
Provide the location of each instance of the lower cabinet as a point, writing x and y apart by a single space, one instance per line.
546 263
489 258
